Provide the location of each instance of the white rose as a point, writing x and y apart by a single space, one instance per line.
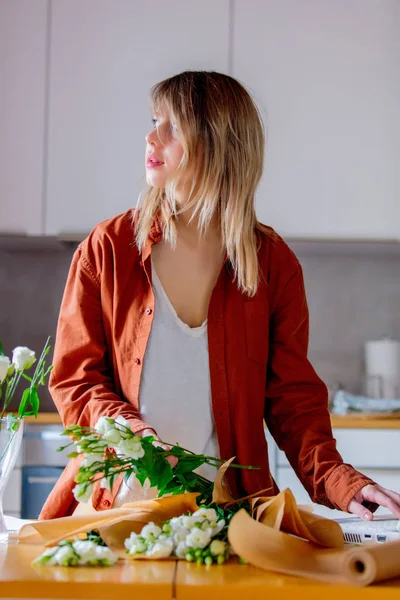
4 366
151 532
86 550
161 549
208 514
131 448
198 538
105 555
181 550
23 358
83 491
120 420
103 425
65 556
217 547
112 436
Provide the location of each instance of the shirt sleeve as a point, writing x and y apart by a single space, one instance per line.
81 382
296 404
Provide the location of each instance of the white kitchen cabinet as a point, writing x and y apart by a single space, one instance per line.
374 452
23 28
105 56
326 76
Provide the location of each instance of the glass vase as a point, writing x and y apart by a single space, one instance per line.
10 444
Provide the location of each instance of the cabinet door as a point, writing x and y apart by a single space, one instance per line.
106 55
23 26
326 77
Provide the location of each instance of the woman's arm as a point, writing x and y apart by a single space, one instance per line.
296 407
81 381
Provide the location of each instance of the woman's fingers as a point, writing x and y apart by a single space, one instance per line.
379 495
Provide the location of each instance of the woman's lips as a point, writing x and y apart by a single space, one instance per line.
152 162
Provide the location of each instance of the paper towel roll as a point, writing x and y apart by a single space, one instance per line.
382 360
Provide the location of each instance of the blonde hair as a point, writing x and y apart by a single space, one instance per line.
223 141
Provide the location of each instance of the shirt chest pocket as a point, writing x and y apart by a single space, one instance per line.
257 330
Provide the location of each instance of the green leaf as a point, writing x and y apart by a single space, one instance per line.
24 403
71 455
187 464
1 349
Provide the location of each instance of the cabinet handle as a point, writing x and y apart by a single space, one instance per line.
42 479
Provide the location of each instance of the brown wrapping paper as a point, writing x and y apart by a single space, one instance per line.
278 536
274 550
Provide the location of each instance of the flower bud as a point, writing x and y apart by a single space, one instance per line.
23 358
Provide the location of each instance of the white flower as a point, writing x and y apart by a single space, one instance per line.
208 514
65 556
86 550
180 534
106 483
48 557
134 544
217 547
104 424
198 538
112 436
181 550
120 420
161 549
151 532
90 459
4 366
175 523
83 491
188 522
105 555
23 358
131 448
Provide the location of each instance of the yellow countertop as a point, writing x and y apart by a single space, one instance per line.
168 579
348 421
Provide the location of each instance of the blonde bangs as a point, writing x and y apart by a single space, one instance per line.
223 140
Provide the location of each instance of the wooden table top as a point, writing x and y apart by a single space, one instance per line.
161 580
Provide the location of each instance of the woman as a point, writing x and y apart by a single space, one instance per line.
189 318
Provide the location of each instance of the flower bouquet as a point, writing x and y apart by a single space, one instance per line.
11 426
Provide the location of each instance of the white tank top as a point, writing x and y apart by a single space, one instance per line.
175 389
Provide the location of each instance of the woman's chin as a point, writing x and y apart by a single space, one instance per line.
155 181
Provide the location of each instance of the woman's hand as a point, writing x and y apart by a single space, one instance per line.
145 432
379 495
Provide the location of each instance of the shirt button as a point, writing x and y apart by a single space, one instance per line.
137 361
148 311
106 503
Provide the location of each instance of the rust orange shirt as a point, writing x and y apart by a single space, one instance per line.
257 354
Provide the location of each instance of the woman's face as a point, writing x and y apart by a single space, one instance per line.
164 151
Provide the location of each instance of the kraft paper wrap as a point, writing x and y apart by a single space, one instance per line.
278 536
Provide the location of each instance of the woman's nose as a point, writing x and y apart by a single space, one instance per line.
151 137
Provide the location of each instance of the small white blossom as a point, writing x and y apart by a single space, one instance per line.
112 436
86 550
90 459
83 491
104 424
208 514
161 549
130 448
219 527
181 550
120 420
23 358
180 534
217 547
188 521
175 523
198 538
4 366
151 532
48 557
105 555
66 556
